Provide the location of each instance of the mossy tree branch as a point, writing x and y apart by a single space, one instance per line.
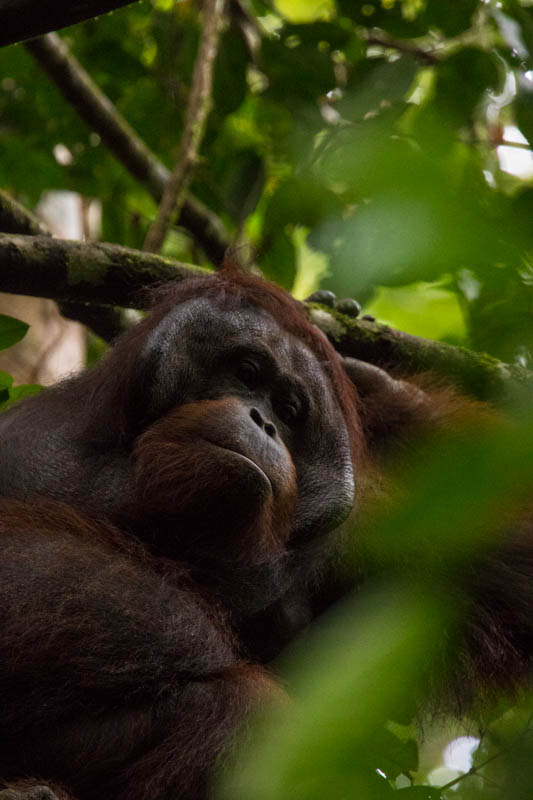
106 274
477 374
84 272
106 321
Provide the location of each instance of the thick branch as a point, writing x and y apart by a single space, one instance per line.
108 274
198 107
100 114
23 19
105 321
86 272
476 373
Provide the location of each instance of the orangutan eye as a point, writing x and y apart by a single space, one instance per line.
291 408
248 372
289 412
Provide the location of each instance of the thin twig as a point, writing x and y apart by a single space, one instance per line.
472 770
427 57
507 143
197 110
476 768
95 108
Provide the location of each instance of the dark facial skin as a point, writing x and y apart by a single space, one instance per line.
280 416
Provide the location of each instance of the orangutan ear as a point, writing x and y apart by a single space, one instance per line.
391 409
396 412
371 380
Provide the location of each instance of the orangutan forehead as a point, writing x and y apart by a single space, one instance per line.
226 324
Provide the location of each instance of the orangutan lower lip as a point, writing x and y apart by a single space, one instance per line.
247 459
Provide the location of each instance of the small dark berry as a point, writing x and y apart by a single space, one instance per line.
350 307
368 317
323 296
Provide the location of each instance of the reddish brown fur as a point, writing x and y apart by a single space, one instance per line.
139 681
149 661
163 750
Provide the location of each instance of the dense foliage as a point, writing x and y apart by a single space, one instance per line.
314 118
380 149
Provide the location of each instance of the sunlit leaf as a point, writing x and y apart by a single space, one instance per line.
11 331
305 10
421 309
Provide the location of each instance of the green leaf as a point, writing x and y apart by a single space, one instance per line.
11 331
495 469
393 20
355 670
24 390
461 80
523 110
422 309
300 201
279 260
243 184
451 16
229 79
6 380
375 84
308 45
391 755
305 10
